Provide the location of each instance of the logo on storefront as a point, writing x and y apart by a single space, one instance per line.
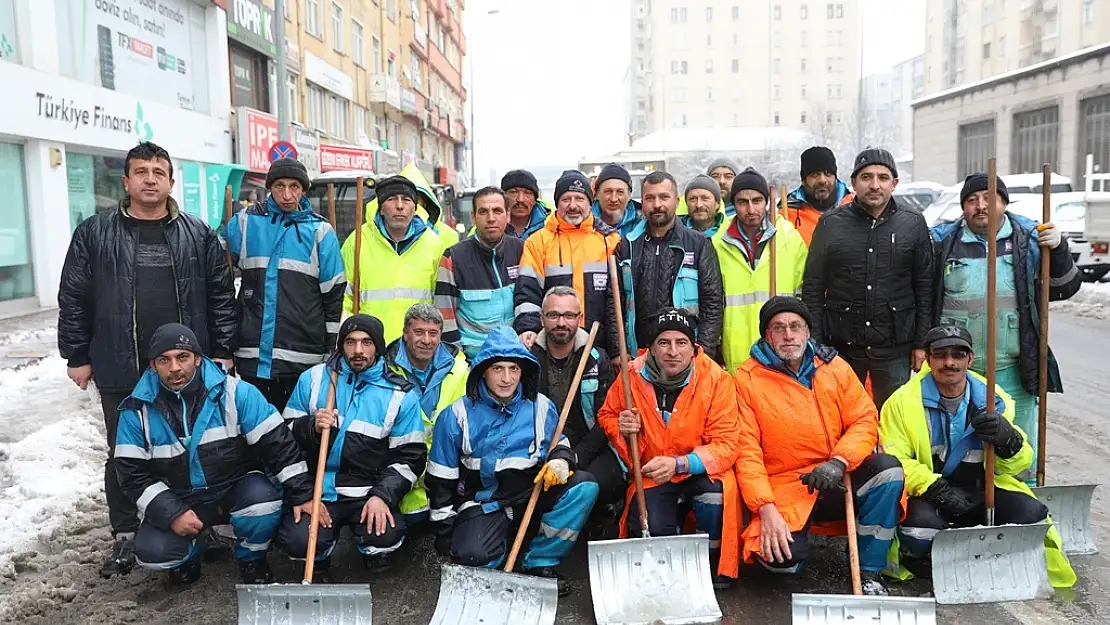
169 62
136 46
142 129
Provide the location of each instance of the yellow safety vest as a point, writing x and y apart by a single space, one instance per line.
747 289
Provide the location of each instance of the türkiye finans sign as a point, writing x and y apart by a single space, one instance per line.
66 111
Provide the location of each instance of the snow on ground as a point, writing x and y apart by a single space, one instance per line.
1092 300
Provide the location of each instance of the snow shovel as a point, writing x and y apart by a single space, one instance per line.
813 609
647 580
1069 506
989 563
469 595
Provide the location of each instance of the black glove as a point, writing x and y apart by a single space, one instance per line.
952 502
443 545
826 476
994 429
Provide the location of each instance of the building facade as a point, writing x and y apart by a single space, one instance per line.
887 112
704 64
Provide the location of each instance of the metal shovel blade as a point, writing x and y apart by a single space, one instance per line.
656 581
295 604
988 564
810 609
1070 509
469 595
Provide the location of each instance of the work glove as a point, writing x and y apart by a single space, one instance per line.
826 476
554 473
1048 235
952 502
994 429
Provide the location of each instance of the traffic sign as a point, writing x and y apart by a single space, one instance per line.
282 149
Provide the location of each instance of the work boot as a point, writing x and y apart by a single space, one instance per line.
873 584
186 573
213 545
122 558
722 582
376 564
255 572
549 572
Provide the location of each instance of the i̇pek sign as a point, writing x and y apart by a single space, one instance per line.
257 131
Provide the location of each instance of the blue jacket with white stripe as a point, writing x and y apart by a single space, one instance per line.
378 447
485 453
292 288
209 434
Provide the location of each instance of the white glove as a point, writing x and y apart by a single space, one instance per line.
1048 235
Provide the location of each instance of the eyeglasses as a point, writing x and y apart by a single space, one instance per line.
955 353
554 315
795 327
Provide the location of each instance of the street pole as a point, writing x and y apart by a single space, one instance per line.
283 92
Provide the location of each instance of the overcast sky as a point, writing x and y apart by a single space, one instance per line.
548 84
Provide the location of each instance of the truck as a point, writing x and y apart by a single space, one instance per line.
1091 248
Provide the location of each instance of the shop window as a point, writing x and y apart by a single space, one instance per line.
16 275
249 79
9 50
95 185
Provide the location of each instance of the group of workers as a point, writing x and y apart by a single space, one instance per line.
442 373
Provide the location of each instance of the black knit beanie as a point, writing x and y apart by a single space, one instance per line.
288 168
874 156
613 171
520 179
395 185
368 324
573 180
674 319
172 336
979 182
818 159
749 179
781 304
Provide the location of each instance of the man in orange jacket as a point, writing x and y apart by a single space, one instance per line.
684 408
819 191
805 419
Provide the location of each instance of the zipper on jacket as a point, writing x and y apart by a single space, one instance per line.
892 235
135 304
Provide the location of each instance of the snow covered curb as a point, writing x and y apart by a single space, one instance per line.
1092 300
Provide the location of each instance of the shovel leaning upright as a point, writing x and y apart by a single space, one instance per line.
1070 505
813 609
990 563
469 595
663 580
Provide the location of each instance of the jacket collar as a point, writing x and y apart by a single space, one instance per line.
149 385
580 338
171 207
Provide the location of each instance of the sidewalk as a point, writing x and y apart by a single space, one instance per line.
27 339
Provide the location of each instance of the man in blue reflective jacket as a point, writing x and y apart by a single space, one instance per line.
377 447
526 212
614 210
292 284
488 449
189 451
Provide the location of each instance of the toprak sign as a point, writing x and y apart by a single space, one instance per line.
257 131
342 158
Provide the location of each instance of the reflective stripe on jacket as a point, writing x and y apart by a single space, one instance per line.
475 285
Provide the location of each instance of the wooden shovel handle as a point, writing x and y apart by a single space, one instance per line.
567 404
227 222
318 488
626 383
992 323
1042 353
356 297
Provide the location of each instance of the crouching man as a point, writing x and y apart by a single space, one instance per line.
376 449
189 451
684 408
805 419
488 449
937 425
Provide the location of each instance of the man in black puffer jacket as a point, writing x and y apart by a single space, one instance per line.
126 274
868 281
663 264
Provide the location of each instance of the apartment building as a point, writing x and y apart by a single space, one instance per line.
706 63
887 114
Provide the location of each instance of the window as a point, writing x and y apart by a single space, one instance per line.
417 78
391 66
975 146
709 93
803 91
830 11
1002 45
708 40
735 120
291 98
675 67
376 50
777 12
357 44
803 118
94 188
391 10
674 15
986 50
804 15
833 117
777 91
986 14
735 13
709 67
804 38
315 107
1088 11
682 18
776 118
682 122
830 64
833 37
313 21
735 66
361 123
803 66
777 65
778 39
337 116
735 40
337 27
684 67
839 10
1036 140
709 14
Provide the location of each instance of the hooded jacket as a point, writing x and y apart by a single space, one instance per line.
486 453
292 288
801 211
632 219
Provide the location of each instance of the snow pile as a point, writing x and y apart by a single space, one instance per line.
1092 300
44 334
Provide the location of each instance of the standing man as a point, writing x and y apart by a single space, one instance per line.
938 425
477 276
684 408
614 210
960 295
526 212
704 210
399 258
667 265
376 449
723 171
105 322
869 279
745 265
438 372
558 348
820 190
804 421
568 252
291 294
191 448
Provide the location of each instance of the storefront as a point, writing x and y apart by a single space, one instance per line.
256 132
250 51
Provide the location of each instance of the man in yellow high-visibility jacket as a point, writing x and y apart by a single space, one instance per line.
745 261
398 260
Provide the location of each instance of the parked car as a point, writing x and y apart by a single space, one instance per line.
918 195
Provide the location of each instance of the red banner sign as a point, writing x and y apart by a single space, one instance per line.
342 158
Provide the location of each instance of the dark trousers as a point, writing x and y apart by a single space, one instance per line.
276 390
122 514
923 520
346 513
887 374
611 481
668 504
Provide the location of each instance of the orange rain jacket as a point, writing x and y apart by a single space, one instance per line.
704 421
786 430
